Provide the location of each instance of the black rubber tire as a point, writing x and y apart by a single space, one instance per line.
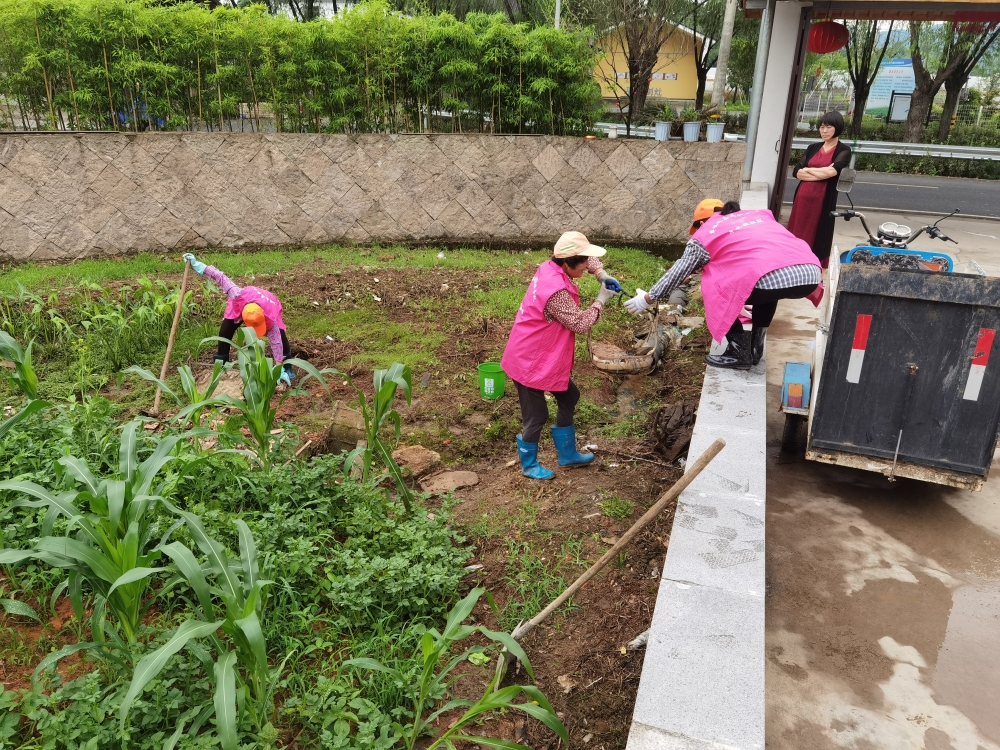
790 436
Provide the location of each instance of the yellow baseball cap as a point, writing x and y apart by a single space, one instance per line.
253 317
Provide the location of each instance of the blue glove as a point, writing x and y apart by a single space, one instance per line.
285 378
289 372
613 285
196 264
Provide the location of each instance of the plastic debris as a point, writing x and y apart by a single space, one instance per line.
441 256
566 682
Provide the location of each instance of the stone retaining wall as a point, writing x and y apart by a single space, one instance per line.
73 195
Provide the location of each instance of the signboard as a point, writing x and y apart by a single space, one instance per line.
664 76
899 106
894 76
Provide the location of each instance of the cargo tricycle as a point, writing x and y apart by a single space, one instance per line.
903 379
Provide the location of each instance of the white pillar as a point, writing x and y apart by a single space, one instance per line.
778 78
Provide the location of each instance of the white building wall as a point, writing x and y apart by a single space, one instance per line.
776 83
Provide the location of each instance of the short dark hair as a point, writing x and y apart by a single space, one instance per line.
730 207
835 120
572 261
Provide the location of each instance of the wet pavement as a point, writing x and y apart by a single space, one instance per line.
883 599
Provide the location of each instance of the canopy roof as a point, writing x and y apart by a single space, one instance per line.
895 10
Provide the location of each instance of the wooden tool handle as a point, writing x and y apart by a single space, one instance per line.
173 333
678 487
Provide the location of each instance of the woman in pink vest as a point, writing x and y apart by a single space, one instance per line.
749 259
252 307
539 353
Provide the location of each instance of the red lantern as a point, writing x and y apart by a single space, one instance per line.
827 36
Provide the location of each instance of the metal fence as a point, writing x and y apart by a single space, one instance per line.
979 115
814 101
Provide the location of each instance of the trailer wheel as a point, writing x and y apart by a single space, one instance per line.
790 437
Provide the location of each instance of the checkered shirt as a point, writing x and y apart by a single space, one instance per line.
696 256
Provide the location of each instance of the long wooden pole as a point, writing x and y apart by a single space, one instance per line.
173 333
678 487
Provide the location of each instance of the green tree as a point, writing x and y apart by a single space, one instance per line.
866 48
743 54
704 18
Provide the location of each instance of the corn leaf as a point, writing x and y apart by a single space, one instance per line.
225 700
152 664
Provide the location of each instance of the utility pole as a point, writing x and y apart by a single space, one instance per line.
722 63
558 11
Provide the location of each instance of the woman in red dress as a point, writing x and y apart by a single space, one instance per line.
816 195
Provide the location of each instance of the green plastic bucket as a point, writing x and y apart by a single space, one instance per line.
492 379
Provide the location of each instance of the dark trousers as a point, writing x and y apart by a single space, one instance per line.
765 304
535 413
228 331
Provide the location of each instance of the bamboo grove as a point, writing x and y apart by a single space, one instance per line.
129 65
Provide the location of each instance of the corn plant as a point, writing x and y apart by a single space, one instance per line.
21 377
375 416
108 545
191 394
260 376
244 683
436 679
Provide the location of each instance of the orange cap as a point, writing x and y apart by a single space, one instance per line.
705 210
253 317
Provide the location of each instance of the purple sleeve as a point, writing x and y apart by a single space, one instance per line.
224 281
277 348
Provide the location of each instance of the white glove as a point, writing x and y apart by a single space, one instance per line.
605 295
637 305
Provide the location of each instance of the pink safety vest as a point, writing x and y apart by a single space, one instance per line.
539 354
267 301
743 246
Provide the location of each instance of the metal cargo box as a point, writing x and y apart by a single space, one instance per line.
909 375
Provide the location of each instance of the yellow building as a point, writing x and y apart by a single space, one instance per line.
674 76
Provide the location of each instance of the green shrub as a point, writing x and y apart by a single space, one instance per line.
368 69
390 564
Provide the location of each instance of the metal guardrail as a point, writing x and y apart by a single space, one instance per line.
942 150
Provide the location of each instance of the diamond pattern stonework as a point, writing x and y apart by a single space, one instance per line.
72 196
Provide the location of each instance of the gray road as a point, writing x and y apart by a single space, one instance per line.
912 192
883 604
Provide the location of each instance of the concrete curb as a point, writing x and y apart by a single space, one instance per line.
702 682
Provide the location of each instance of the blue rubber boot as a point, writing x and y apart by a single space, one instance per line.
565 440
528 452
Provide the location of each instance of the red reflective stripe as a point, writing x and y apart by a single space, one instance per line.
983 346
861 332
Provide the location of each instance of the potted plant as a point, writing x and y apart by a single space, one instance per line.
692 124
715 128
664 119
